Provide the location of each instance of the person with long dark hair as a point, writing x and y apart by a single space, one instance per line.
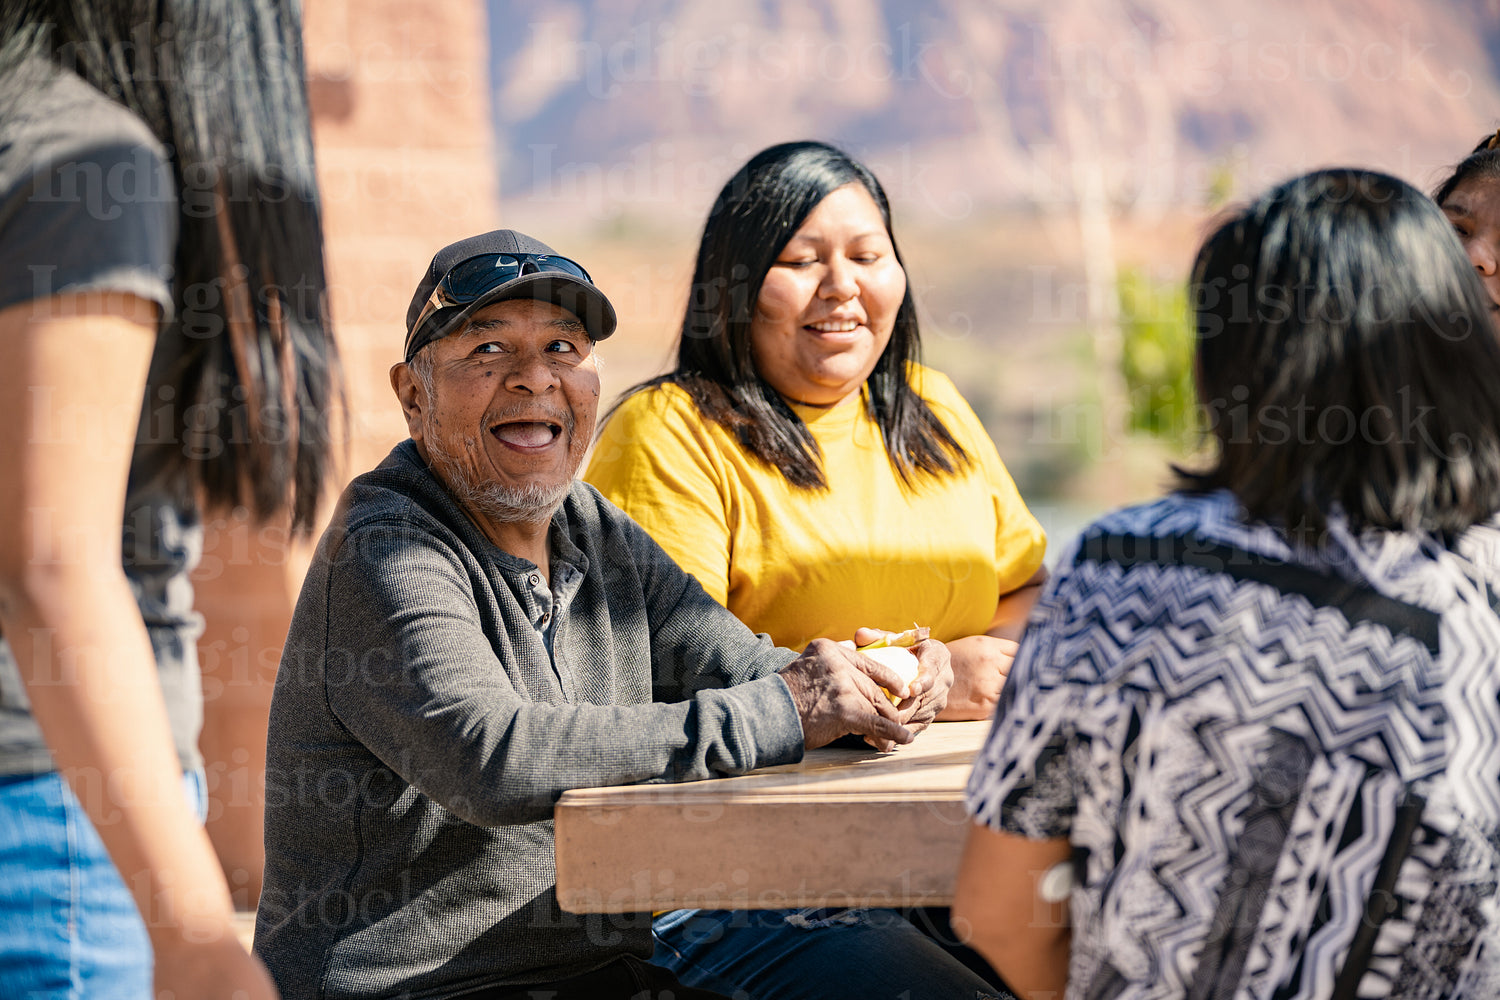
798 460
1470 197
1251 743
815 477
163 346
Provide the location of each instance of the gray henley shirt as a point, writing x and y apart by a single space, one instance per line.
421 733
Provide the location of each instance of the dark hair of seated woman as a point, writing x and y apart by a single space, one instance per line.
1340 353
751 220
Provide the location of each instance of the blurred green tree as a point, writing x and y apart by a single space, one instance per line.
1221 185
1157 359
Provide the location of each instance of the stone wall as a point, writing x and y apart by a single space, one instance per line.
401 119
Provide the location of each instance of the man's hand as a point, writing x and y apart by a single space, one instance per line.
980 666
837 691
928 693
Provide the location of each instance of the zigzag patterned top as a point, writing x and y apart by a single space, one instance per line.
1281 778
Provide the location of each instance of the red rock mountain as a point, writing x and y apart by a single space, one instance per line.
960 103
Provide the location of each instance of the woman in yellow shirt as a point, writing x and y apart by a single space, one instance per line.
814 477
799 461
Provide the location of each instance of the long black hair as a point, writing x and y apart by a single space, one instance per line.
751 221
1346 358
1483 162
246 365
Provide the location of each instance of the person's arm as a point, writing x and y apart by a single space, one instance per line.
414 676
981 663
1015 607
1010 905
696 643
1016 874
72 375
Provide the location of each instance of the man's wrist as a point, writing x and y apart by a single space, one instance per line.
796 684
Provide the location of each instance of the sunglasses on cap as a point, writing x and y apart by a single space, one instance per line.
471 278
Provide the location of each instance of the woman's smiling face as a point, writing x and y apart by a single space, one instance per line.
1474 209
828 304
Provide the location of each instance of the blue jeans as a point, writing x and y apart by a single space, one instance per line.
68 926
811 955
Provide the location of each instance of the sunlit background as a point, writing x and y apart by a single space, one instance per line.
1051 166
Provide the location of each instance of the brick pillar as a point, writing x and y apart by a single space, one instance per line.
401 123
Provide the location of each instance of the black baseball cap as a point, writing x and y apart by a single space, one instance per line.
558 280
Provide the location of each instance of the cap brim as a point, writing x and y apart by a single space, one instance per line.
573 294
576 296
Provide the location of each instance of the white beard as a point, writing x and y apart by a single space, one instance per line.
499 503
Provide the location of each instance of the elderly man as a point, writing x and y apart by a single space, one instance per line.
480 632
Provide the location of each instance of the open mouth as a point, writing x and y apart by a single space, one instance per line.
527 433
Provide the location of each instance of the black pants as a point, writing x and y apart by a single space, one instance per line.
934 922
626 978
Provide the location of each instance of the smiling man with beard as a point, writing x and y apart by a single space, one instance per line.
478 633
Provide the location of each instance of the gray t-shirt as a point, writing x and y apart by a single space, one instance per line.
87 201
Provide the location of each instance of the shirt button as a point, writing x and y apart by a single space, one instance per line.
535 579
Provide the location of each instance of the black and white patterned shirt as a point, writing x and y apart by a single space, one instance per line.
1280 776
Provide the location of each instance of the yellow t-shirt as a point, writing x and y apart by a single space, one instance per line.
802 564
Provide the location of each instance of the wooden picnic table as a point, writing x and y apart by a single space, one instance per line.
845 827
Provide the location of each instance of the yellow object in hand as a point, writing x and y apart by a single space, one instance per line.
894 651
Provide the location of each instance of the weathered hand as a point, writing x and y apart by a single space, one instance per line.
980 666
928 693
837 691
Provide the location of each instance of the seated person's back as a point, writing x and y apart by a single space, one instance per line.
1256 724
